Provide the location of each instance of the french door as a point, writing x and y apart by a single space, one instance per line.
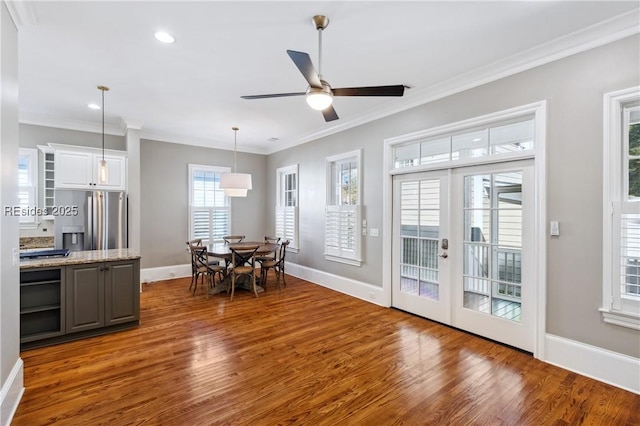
463 246
421 280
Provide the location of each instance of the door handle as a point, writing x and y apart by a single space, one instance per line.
443 255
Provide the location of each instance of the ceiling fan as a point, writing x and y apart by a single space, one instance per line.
319 93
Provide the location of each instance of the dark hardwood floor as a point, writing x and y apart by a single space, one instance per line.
305 355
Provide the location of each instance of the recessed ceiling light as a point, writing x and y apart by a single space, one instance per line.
164 37
477 140
94 106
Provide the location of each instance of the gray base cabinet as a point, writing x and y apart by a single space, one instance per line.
76 301
85 297
102 294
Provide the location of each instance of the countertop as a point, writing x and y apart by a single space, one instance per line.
80 257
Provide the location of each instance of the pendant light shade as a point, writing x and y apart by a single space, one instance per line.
103 171
235 184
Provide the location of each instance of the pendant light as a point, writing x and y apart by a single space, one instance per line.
235 184
103 172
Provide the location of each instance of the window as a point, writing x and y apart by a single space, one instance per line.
287 205
621 230
343 210
487 139
27 186
209 209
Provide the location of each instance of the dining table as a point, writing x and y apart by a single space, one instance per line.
223 251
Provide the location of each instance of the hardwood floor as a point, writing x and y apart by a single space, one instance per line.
306 355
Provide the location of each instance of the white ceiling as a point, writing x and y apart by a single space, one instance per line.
189 92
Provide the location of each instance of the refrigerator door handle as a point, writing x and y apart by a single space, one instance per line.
90 241
99 231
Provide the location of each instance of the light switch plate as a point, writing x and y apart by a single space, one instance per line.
554 230
373 232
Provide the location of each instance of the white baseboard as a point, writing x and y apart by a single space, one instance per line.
149 275
11 393
606 366
359 289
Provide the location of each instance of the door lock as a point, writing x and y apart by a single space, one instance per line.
445 244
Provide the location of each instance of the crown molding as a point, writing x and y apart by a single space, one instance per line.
67 124
22 12
195 141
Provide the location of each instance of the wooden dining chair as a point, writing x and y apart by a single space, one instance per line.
230 239
264 257
276 264
203 268
243 263
194 269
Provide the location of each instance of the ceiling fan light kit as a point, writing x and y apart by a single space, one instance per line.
319 94
319 99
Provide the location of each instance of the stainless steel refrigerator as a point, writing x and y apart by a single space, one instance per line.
100 222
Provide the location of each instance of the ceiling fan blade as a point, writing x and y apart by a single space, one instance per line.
304 64
273 95
329 114
396 90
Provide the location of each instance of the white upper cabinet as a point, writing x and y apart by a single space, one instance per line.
79 170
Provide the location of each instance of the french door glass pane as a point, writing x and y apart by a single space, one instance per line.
477 225
493 244
476 260
419 230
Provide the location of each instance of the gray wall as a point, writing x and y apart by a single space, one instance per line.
9 273
573 88
165 198
31 136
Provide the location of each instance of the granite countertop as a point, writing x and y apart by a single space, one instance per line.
80 257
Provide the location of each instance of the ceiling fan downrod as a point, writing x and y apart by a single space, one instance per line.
321 22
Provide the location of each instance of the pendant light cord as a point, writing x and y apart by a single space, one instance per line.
102 124
235 146
103 89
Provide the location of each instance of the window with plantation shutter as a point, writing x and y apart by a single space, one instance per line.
287 206
209 208
343 210
621 230
27 186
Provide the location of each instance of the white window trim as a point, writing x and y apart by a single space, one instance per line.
280 172
356 258
612 311
536 110
31 222
192 168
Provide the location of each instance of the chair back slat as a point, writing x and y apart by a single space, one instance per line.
230 239
242 255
